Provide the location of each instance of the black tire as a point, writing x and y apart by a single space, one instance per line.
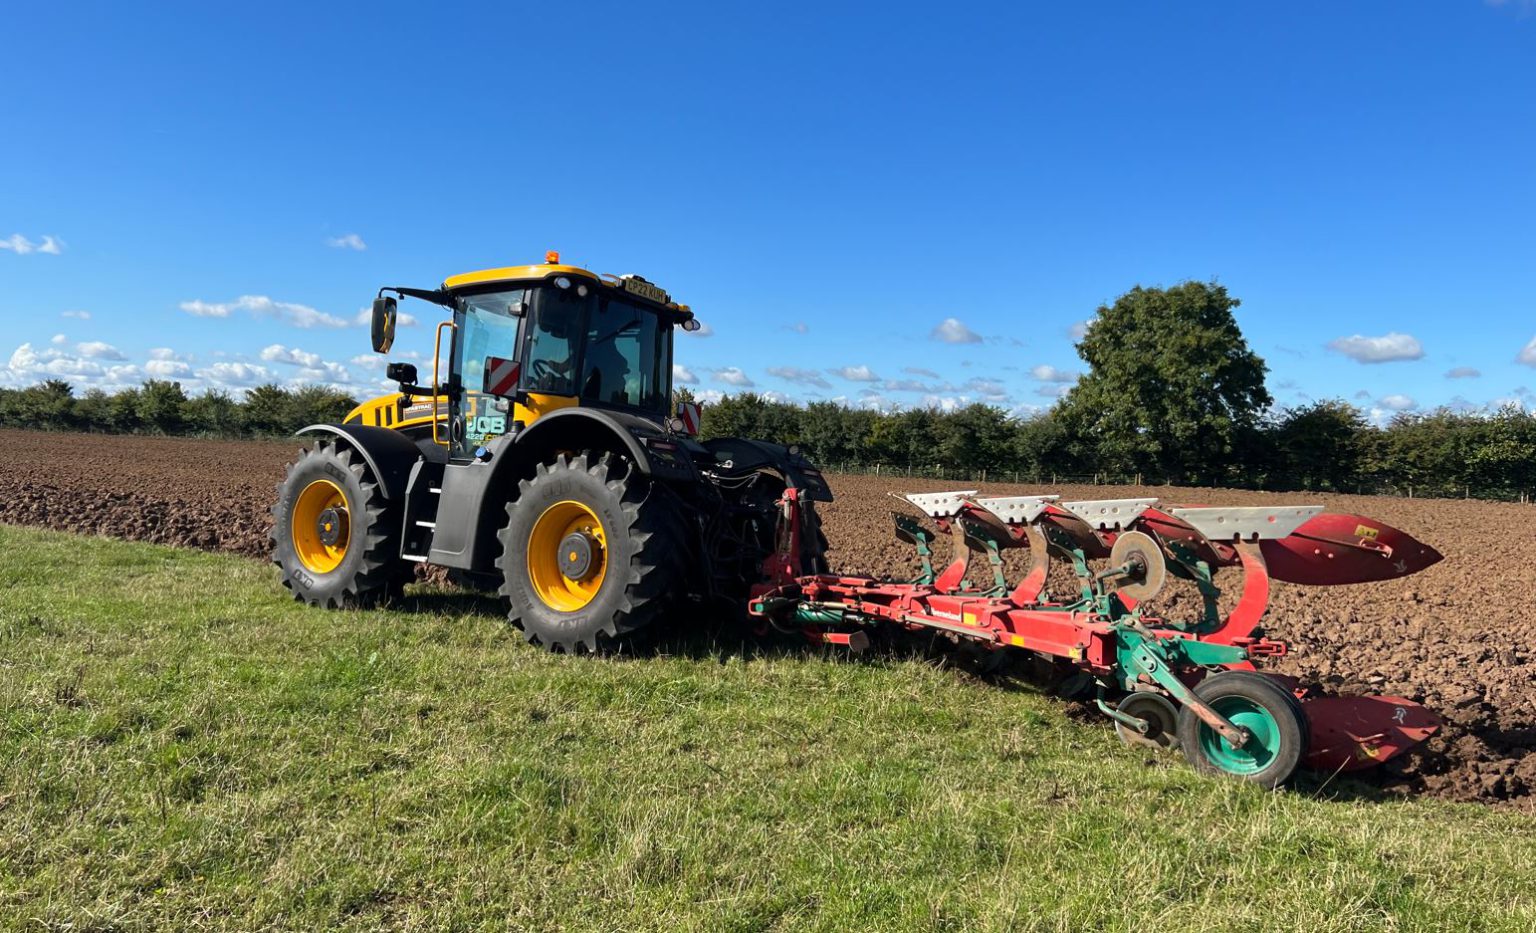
813 542
370 570
1254 691
643 560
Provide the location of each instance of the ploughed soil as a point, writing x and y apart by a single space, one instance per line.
1459 637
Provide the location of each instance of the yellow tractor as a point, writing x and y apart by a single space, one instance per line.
546 460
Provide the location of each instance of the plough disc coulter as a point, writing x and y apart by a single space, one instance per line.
1188 684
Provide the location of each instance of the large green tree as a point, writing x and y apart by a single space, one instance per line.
1172 387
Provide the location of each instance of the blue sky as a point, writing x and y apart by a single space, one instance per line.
893 205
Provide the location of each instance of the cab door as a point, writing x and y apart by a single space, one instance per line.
485 325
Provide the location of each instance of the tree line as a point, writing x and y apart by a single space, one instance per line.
1327 445
1172 393
162 407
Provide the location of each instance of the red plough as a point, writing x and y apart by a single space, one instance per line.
1189 684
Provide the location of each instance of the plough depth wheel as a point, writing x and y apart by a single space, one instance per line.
1269 714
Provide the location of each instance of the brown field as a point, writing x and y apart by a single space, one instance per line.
1458 637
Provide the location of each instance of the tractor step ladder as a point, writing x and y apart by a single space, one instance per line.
423 492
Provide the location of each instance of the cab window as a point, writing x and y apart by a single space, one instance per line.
626 357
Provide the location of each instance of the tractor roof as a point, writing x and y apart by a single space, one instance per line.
632 285
515 274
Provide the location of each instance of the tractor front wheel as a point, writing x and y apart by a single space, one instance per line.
1276 727
588 557
331 532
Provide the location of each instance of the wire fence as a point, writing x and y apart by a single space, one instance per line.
1036 478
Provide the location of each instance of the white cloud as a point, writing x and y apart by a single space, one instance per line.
59 340
1528 355
290 356
911 385
77 315
990 390
800 327
809 377
166 353
332 374
235 375
349 241
1391 348
708 396
856 373
204 309
301 316
1053 389
733 376
30 363
1080 330
684 375
945 403
1466 372
950 330
1397 402
920 371
1046 373
97 350
167 369
704 330
21 246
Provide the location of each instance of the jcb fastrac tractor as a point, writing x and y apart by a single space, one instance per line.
548 462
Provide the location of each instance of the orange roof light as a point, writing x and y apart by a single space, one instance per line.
552 257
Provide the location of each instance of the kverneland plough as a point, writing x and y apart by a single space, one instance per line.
1171 684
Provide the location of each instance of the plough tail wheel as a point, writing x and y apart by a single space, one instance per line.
1161 718
1266 711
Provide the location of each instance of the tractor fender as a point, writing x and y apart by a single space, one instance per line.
748 455
388 453
653 452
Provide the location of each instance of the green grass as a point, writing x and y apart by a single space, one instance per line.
183 746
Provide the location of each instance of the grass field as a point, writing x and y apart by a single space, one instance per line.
183 746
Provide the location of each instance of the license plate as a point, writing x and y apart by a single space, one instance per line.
645 290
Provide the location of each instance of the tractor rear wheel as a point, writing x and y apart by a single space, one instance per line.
331 533
1270 714
588 557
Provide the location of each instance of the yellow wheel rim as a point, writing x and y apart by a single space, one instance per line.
320 526
567 556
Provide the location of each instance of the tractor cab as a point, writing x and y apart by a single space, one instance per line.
526 341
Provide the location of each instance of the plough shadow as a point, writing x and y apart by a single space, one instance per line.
717 637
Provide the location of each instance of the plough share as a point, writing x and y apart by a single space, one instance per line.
1171 684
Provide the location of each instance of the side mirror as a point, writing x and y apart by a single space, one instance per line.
403 373
383 324
692 324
